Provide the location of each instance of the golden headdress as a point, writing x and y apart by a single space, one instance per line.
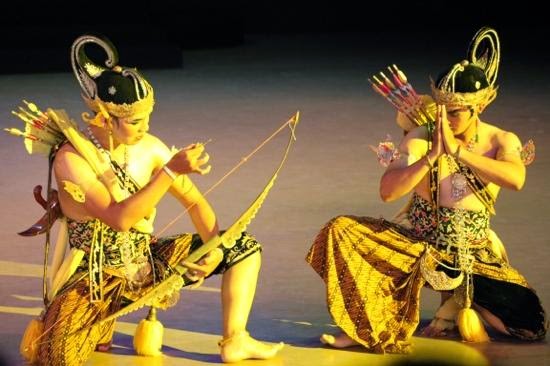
111 90
471 82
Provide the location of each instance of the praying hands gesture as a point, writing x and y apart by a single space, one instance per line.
404 175
492 152
438 145
450 143
444 140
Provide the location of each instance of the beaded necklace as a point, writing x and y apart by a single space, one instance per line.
125 166
123 239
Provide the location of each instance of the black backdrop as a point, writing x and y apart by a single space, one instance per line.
37 36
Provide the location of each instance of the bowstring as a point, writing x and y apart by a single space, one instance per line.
293 119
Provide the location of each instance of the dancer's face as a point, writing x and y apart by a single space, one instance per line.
130 130
461 118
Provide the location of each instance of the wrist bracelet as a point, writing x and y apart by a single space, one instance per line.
457 152
430 164
169 172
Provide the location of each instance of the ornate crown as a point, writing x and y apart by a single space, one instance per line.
110 89
486 58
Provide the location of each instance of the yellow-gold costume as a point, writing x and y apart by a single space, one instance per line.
105 270
374 269
373 274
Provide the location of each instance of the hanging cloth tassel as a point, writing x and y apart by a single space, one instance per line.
148 336
470 325
30 341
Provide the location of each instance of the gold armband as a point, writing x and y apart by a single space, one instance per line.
75 191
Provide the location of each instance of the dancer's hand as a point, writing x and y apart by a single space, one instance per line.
438 147
205 266
450 144
190 159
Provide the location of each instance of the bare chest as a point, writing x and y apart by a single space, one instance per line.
453 189
134 163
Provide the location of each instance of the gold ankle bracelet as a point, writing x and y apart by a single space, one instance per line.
236 335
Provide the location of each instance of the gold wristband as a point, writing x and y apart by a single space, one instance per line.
430 164
169 172
457 153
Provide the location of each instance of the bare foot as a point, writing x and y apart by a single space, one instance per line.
242 346
342 340
439 328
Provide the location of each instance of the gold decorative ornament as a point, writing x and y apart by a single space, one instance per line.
123 110
487 59
74 191
437 279
87 73
481 97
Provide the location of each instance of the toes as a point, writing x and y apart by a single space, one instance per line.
246 347
340 341
327 339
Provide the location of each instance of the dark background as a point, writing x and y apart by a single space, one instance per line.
37 36
238 72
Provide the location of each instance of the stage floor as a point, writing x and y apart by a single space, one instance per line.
237 97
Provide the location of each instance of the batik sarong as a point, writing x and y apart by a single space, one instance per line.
372 271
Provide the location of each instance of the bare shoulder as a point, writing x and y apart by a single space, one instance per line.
502 138
506 143
70 165
415 142
153 142
156 149
66 157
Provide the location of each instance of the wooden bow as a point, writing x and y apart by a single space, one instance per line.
227 239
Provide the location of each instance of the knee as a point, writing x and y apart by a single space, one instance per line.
340 221
339 225
247 244
333 232
245 248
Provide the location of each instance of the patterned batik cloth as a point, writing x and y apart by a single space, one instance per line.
371 268
63 343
